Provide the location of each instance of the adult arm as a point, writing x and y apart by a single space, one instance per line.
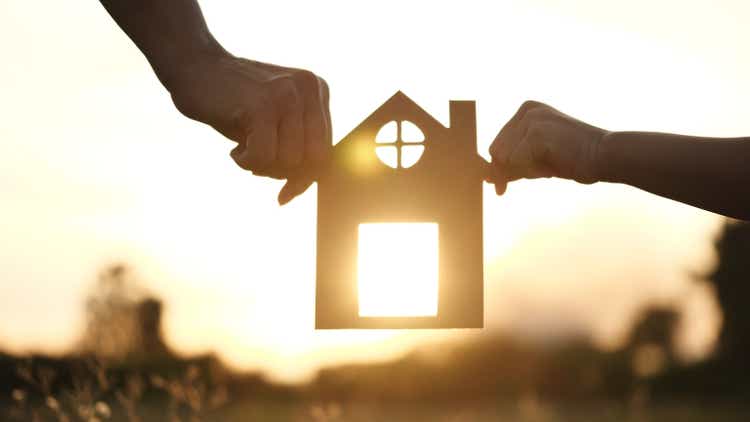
709 173
277 115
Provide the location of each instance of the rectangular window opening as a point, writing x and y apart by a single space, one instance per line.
397 269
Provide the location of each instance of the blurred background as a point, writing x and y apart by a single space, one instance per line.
143 276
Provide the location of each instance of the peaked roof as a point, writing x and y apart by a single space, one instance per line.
398 101
400 98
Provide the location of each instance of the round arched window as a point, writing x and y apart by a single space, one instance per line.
400 144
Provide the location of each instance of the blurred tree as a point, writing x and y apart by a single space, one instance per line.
122 320
723 376
731 279
651 342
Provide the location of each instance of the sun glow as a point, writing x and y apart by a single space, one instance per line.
398 269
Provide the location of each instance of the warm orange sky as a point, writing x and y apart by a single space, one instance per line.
96 166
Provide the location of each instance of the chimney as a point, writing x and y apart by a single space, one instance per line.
463 123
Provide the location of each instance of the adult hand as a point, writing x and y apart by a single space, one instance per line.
278 116
540 141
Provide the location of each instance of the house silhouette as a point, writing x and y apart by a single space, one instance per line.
444 186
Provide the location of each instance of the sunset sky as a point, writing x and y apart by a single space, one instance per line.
96 166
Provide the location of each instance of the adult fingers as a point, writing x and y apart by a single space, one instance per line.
317 124
259 151
291 139
531 159
502 147
327 144
316 119
510 135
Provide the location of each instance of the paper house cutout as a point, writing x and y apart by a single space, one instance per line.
443 186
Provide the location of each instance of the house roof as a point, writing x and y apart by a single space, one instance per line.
398 107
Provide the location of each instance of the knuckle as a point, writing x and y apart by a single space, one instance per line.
529 105
241 119
256 103
323 86
286 95
494 148
527 108
242 162
534 115
306 80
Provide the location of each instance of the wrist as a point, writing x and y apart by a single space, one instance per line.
591 165
172 63
603 168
